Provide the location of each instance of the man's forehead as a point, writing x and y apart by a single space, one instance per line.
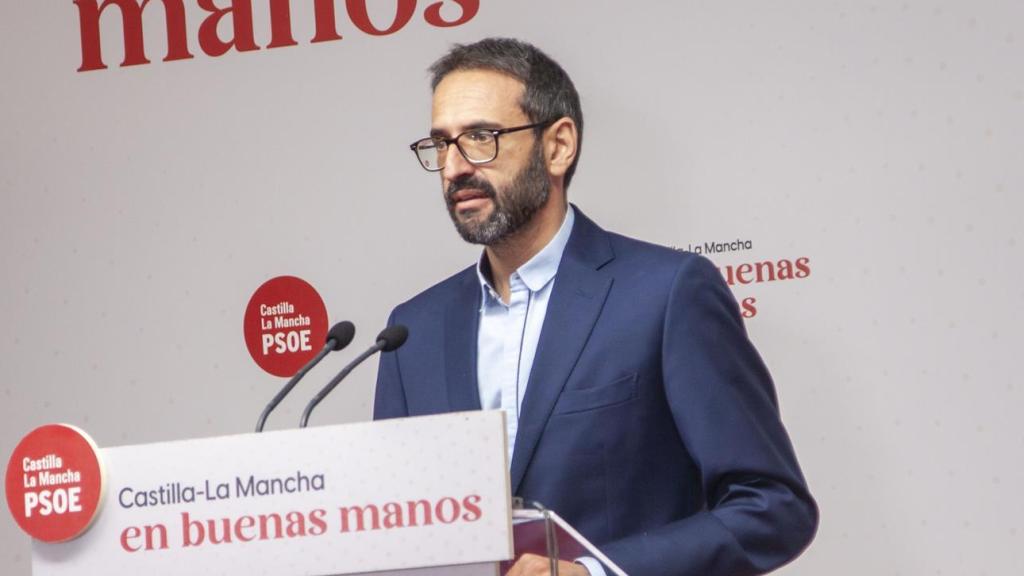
468 98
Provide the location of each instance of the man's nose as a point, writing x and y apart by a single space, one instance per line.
456 165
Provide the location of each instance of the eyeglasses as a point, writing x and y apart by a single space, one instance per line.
478 146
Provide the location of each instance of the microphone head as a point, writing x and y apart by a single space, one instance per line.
392 337
341 334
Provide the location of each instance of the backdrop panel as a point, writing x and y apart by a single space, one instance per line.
854 168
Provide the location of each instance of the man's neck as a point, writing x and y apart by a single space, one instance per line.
506 257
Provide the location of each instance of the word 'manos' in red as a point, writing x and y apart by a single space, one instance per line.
242 36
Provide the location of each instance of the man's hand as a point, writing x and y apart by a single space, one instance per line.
534 565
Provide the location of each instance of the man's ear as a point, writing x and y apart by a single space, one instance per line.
560 145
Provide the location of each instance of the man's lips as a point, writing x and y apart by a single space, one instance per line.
467 194
469 199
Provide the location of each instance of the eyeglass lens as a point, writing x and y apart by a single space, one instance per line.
477 146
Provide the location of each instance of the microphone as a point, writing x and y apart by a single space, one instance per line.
339 336
389 339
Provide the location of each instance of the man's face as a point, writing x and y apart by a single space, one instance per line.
489 202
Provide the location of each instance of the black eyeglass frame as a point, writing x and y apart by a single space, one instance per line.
455 140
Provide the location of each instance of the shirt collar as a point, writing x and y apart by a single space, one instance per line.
540 269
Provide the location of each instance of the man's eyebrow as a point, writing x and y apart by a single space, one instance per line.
475 125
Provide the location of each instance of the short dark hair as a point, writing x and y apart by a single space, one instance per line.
549 93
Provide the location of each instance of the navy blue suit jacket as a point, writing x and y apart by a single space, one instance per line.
649 423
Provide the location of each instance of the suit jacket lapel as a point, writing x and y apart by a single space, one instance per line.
576 301
460 333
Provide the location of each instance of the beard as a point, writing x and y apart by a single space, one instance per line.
513 208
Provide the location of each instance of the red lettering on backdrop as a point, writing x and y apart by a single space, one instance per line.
761 272
357 12
281 24
242 32
241 25
326 23
469 10
89 12
748 307
741 273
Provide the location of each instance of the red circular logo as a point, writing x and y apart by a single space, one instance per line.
54 483
285 325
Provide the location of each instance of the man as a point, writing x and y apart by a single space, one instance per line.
637 407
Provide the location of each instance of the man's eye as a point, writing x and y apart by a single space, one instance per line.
481 136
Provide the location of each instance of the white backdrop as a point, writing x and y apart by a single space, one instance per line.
882 142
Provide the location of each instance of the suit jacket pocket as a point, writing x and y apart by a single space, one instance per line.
583 399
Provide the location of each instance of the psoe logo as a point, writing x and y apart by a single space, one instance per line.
285 321
239 22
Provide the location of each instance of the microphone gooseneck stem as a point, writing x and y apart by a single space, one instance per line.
334 381
291 384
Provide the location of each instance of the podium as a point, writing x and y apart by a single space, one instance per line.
415 496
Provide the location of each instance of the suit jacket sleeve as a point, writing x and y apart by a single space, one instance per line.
758 513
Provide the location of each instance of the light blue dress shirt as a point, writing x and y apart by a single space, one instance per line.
509 332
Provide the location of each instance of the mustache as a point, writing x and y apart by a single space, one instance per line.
472 182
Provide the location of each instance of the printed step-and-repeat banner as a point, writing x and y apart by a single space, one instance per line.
195 190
